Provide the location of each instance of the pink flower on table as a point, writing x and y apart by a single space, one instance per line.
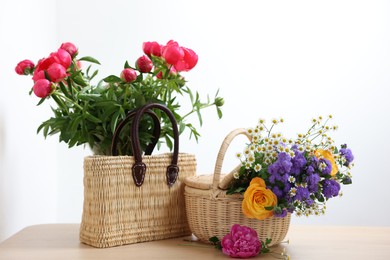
152 48
128 75
144 64
241 242
70 48
25 67
42 88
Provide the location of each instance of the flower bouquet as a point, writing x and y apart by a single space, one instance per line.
280 175
86 113
276 176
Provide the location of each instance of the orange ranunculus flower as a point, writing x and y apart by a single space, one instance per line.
256 198
329 156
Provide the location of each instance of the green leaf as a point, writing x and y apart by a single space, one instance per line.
90 59
91 97
182 127
80 80
127 65
216 242
219 112
114 121
41 101
92 118
112 79
94 74
64 90
168 142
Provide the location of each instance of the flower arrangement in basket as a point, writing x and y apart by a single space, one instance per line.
277 176
86 113
280 175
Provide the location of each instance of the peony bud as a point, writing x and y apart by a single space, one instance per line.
64 58
219 101
25 67
38 74
144 64
152 48
56 72
42 88
70 48
128 75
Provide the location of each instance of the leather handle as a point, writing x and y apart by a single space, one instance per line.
139 168
156 132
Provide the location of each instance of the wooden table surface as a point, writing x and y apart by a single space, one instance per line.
60 241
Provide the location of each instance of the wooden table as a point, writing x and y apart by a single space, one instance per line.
60 241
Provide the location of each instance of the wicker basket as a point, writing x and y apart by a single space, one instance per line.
210 212
131 199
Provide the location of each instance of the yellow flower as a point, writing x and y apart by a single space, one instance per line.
329 156
257 198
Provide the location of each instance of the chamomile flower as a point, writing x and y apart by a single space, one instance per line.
291 179
292 192
258 167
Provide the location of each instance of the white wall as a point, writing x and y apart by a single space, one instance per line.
295 59
28 166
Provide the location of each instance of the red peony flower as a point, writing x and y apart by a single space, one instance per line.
152 48
70 48
241 242
144 64
25 67
128 75
42 88
56 72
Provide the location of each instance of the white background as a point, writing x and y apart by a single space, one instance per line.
290 59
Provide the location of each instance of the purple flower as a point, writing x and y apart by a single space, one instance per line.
241 242
297 163
278 192
347 154
279 170
280 213
330 188
302 194
325 166
312 182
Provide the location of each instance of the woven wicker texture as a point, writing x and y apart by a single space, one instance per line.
117 212
211 212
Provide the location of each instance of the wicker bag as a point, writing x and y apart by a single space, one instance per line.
130 199
211 212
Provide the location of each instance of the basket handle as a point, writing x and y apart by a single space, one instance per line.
139 168
222 151
156 132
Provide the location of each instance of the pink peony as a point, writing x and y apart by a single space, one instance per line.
128 75
152 48
70 48
25 67
241 242
144 64
56 72
42 88
172 52
64 58
188 61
